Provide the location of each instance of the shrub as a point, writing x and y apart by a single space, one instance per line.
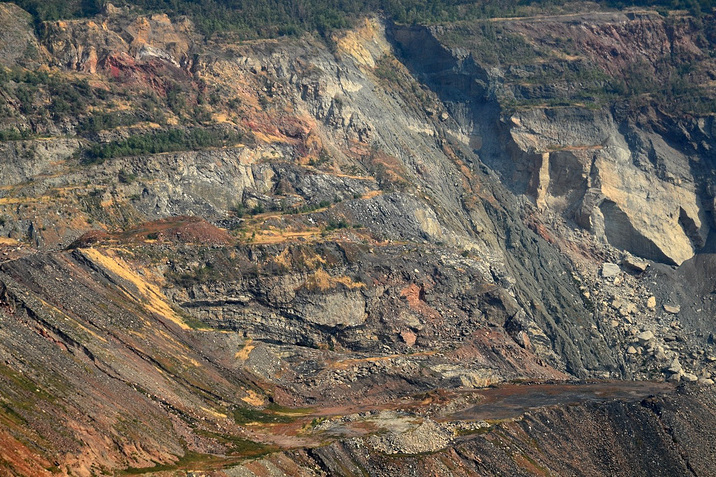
163 141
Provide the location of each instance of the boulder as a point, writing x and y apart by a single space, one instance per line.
635 264
675 378
690 377
408 337
645 336
675 366
627 309
610 270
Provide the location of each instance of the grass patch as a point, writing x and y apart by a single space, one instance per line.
189 459
238 446
238 450
248 448
20 382
194 323
12 415
273 414
245 415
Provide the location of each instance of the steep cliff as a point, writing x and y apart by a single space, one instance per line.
565 111
546 112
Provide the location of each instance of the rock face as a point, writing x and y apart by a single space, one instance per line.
628 181
634 190
384 225
18 45
85 45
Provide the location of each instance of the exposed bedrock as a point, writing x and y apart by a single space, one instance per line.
637 184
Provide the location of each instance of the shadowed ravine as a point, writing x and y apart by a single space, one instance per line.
511 401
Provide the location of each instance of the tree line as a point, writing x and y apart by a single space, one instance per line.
271 18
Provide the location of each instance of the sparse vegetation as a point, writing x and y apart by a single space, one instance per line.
126 177
162 141
104 121
337 225
190 460
385 69
551 71
274 414
15 134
